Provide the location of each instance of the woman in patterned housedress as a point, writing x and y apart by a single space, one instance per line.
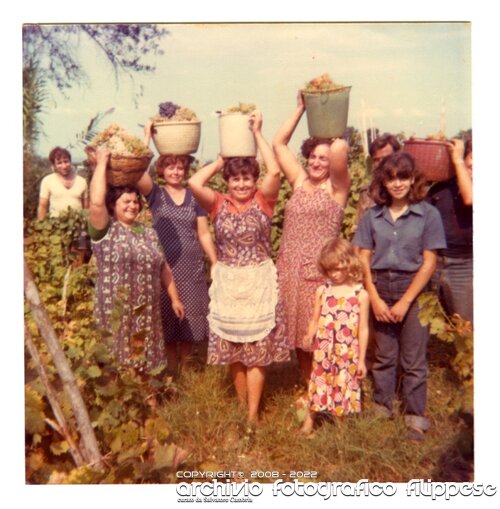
131 269
338 333
182 226
313 215
245 318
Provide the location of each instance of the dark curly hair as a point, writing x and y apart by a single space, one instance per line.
113 193
57 153
310 144
235 166
401 165
382 141
168 159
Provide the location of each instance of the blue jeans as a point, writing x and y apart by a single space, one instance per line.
400 346
452 281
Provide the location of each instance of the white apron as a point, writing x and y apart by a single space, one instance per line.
243 301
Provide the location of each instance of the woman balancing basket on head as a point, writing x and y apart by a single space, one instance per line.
313 215
246 317
129 157
182 226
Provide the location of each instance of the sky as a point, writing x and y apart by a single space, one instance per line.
405 77
402 72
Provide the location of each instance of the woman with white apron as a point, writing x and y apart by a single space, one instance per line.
245 314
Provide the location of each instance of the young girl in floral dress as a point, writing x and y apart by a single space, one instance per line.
338 333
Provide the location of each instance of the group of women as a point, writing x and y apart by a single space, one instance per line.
254 313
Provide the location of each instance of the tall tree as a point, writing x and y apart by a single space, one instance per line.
50 56
127 47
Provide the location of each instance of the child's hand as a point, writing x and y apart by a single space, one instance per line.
361 370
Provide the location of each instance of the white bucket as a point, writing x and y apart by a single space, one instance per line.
236 138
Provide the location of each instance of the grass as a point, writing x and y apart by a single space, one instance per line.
207 421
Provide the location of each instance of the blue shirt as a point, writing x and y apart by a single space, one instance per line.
399 245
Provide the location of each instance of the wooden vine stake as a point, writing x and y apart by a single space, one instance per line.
89 447
63 428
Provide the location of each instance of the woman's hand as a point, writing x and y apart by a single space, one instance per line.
148 128
399 310
456 150
102 156
148 131
255 122
219 162
381 310
300 100
179 309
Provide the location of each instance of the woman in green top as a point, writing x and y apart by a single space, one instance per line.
130 271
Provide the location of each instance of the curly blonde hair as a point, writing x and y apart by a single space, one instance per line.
340 254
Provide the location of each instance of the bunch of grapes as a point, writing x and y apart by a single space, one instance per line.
322 83
168 109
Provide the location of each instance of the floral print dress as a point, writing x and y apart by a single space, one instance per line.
311 219
334 386
127 294
243 239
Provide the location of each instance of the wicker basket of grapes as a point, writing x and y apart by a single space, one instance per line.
432 157
176 130
129 158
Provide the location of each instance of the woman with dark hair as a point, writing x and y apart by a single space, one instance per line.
131 269
245 318
182 227
313 215
398 239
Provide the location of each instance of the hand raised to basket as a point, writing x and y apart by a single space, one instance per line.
255 121
102 156
300 100
456 149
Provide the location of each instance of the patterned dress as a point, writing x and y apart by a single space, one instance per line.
176 226
127 295
334 387
244 239
311 218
